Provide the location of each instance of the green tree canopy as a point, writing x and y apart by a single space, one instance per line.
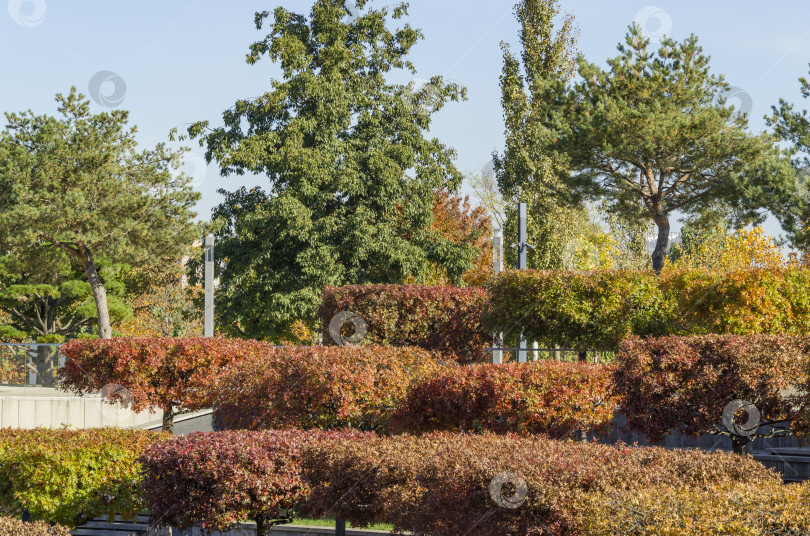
350 171
75 189
653 134
794 127
528 170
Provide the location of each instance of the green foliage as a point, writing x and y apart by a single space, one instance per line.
596 310
528 171
794 127
351 173
653 134
87 195
580 311
52 307
72 476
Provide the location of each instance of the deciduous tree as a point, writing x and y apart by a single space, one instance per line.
528 171
350 170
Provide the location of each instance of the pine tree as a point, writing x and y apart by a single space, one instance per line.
75 189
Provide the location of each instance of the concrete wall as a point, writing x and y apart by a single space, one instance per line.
76 412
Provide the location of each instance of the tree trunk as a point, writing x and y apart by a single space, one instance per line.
661 243
99 292
260 528
46 362
740 444
168 419
582 356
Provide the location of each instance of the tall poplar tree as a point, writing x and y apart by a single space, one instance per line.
528 170
350 170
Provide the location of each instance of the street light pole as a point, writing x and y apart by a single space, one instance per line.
209 286
497 267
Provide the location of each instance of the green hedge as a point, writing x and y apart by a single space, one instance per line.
597 310
72 476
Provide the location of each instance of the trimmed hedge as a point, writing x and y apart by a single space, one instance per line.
545 397
14 527
592 311
219 478
72 476
156 372
439 484
769 509
597 310
683 383
443 319
319 387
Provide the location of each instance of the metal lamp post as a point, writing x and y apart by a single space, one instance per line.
209 286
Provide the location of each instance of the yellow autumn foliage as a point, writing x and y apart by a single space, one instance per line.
725 509
744 249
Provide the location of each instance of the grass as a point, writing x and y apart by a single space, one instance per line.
330 522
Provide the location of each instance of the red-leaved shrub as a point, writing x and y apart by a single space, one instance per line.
156 373
548 397
446 484
319 387
219 478
683 383
444 319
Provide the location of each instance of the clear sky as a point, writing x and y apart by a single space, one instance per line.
173 62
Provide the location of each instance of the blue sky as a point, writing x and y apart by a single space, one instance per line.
177 61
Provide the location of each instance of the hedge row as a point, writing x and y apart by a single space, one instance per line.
10 526
72 476
438 484
771 509
171 374
443 484
395 390
220 478
319 387
597 310
443 319
683 383
545 397
576 310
